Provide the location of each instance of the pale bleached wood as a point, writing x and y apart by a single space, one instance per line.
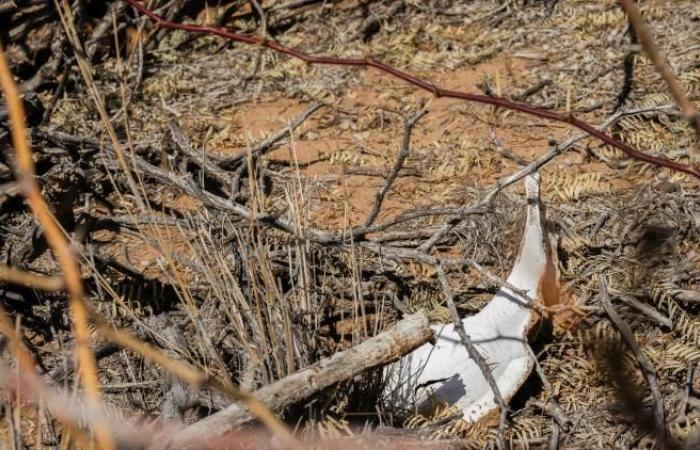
377 351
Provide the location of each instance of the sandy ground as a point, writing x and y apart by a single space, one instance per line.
637 224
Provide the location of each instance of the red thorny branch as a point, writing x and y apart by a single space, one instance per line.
419 82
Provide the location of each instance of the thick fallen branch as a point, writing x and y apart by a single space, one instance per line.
382 349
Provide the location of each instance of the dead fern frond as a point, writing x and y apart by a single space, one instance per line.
684 325
569 186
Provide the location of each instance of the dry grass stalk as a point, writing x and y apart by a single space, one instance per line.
70 411
377 351
197 379
66 15
185 373
661 63
645 365
27 185
29 279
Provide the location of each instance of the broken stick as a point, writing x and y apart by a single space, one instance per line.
382 349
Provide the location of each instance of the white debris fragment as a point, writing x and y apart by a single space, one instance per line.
443 371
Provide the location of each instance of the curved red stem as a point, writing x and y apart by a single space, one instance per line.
421 83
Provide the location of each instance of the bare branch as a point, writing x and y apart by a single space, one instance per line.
475 355
643 362
664 69
393 174
418 82
26 181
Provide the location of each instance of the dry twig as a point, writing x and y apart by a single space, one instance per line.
29 279
645 365
394 172
475 356
418 82
521 173
674 85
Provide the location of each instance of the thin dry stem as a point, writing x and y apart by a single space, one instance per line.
474 354
424 84
87 367
661 63
24 357
66 16
29 279
197 379
643 362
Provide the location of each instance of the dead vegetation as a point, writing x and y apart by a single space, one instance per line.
246 215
